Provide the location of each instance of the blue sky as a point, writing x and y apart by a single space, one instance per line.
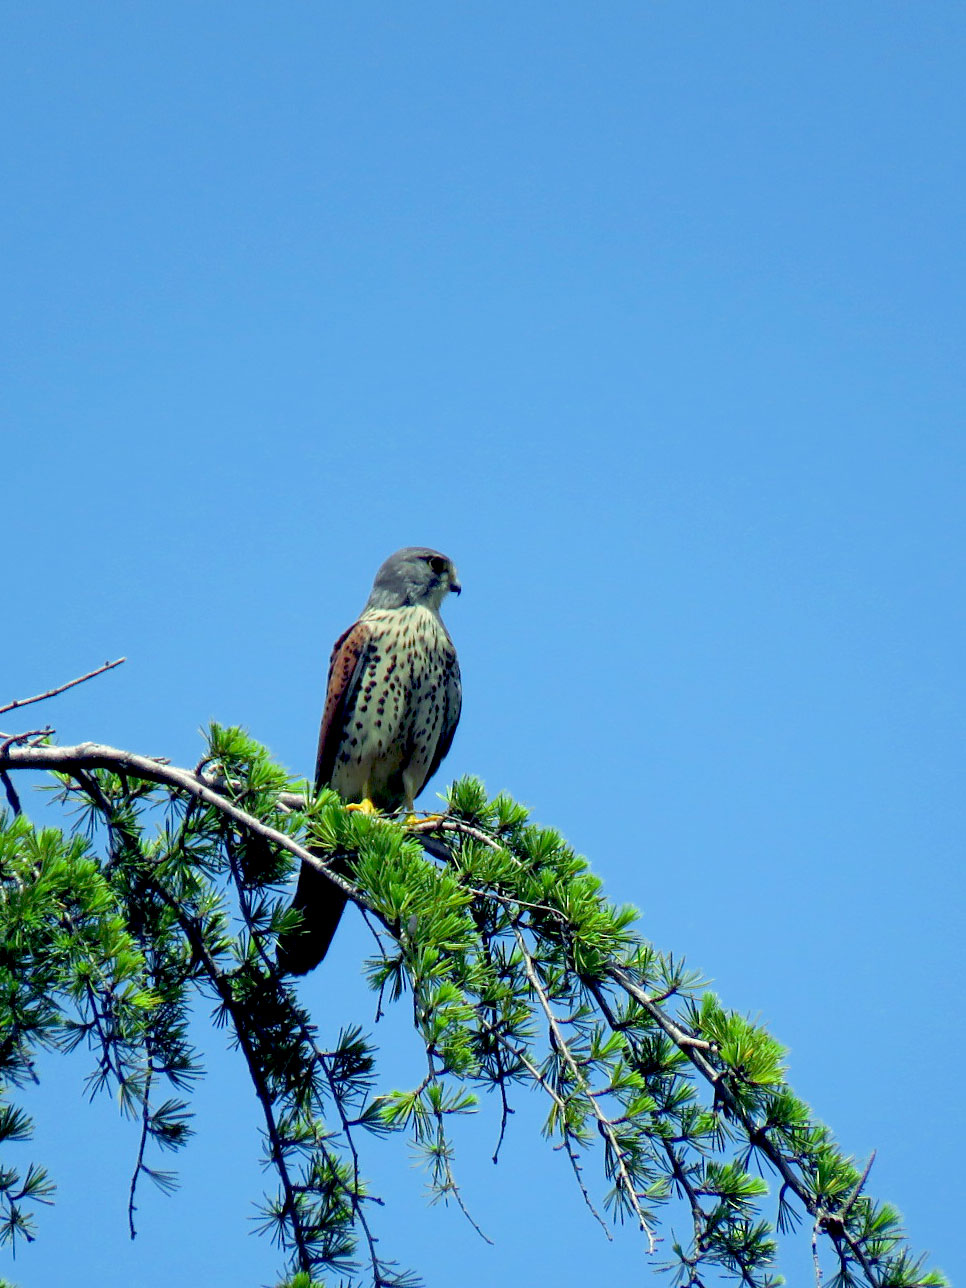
649 315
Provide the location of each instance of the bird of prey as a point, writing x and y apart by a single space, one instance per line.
391 708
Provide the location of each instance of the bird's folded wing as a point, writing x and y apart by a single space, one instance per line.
452 704
346 667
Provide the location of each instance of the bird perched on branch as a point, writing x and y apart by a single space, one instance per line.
391 709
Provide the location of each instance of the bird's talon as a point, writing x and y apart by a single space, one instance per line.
362 807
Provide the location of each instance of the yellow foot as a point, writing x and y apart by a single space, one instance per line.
363 807
410 819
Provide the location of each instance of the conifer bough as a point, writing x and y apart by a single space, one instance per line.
517 971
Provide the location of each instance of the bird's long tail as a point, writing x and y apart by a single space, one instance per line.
321 905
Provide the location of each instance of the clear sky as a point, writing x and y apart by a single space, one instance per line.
651 315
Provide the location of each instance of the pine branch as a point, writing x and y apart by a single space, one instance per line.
501 934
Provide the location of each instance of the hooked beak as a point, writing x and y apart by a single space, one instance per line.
455 587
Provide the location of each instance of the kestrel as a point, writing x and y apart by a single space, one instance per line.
391 709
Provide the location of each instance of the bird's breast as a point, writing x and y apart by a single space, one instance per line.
401 704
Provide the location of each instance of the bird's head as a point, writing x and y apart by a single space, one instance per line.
414 575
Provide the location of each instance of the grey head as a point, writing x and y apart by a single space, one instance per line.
414 575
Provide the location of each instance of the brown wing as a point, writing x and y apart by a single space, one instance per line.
345 667
316 898
453 699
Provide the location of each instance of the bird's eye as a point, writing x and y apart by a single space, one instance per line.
438 565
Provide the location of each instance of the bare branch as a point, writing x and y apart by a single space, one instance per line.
62 688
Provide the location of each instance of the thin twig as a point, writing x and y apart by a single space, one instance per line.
443 823
62 688
507 900
145 1128
571 1153
604 1123
859 1186
505 1112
